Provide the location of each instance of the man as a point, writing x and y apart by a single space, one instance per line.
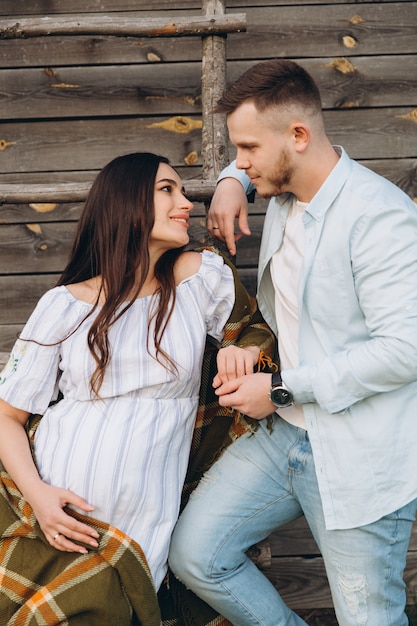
337 282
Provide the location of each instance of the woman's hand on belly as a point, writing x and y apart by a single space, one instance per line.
60 529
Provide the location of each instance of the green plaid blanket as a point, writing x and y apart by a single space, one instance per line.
112 585
41 585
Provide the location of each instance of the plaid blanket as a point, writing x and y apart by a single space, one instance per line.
112 585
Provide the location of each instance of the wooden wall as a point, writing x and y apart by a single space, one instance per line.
69 104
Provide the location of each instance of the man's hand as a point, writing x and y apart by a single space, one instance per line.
248 394
229 201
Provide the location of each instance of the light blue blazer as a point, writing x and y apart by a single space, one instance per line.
357 306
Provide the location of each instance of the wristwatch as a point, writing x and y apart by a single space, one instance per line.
279 394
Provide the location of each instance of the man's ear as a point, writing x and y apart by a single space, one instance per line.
301 136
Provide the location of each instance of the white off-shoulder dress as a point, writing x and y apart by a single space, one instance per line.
127 452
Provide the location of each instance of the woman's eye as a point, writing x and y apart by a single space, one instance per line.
166 188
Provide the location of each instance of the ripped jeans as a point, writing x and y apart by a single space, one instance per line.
260 483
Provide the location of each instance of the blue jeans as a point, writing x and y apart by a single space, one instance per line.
261 482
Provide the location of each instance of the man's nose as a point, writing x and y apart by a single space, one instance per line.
242 162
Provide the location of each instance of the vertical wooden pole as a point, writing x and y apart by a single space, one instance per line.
214 152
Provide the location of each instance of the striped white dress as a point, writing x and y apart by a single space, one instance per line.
126 453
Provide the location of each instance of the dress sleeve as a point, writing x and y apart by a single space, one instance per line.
29 380
217 293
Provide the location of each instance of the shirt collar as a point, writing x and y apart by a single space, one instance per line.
331 187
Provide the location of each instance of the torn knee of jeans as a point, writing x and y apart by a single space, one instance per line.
353 589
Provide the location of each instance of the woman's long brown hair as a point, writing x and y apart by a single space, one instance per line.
112 242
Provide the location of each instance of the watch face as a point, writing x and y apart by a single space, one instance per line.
281 397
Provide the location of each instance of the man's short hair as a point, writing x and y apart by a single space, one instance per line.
272 83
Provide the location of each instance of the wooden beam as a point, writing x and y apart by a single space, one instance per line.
214 139
123 26
16 193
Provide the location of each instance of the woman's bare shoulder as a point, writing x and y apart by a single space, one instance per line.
86 291
187 264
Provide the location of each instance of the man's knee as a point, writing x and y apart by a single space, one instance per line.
185 547
202 548
194 535
186 558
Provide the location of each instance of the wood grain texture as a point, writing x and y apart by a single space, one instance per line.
91 143
175 88
45 7
313 30
115 25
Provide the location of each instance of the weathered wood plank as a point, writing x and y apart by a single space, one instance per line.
302 582
42 52
293 539
38 212
333 30
89 144
369 133
35 248
44 7
55 212
325 29
54 92
174 89
63 192
19 297
114 25
187 172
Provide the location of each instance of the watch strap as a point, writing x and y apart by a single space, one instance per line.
276 379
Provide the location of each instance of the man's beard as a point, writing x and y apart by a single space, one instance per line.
281 178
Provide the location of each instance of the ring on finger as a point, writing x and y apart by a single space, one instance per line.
56 536
215 228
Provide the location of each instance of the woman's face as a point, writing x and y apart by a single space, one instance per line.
172 209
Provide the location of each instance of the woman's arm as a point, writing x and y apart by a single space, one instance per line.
233 362
47 502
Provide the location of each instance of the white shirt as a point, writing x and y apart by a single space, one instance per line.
286 266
